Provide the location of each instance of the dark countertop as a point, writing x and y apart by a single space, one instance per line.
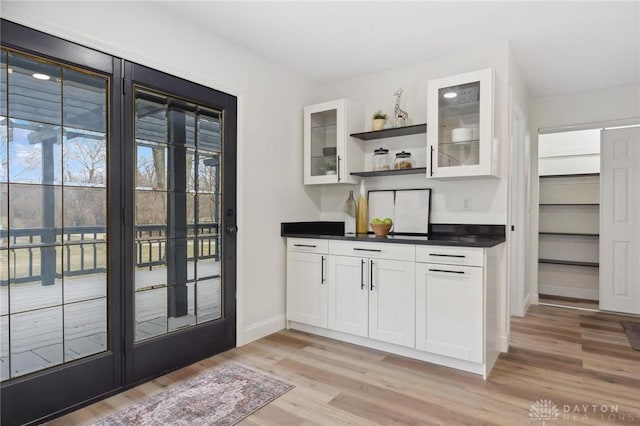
440 234
434 239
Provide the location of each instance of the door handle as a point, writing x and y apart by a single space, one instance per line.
448 272
361 274
371 275
231 229
338 168
322 277
431 161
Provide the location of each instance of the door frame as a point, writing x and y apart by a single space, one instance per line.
143 362
97 375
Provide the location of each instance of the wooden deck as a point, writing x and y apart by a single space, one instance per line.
45 333
573 358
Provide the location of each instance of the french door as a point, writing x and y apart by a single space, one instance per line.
117 224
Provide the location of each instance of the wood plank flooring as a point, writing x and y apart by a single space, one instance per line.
568 302
579 360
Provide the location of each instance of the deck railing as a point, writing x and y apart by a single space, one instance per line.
84 249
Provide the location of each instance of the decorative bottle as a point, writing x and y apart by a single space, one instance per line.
362 221
350 212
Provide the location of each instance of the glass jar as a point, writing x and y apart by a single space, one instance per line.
403 161
381 160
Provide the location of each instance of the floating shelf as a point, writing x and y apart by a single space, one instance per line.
569 176
569 262
569 204
413 171
415 129
572 234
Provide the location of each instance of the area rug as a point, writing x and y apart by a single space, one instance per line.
633 333
222 396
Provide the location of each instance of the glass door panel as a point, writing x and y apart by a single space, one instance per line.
53 214
324 157
178 214
459 125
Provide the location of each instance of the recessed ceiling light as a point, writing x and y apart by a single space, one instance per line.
450 95
40 76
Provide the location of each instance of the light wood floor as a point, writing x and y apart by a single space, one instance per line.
569 302
570 357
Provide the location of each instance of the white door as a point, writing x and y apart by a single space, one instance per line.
307 288
620 220
392 303
449 318
348 294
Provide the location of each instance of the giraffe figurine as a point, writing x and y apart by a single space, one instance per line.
402 118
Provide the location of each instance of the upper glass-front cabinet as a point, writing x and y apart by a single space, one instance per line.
327 158
460 125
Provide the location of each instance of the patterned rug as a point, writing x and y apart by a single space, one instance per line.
632 329
222 396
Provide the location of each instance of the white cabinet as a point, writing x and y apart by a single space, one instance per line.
307 281
449 310
372 297
329 153
460 126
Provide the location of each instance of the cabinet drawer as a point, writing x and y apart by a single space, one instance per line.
373 250
307 245
469 256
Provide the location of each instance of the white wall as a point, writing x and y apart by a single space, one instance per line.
375 91
270 126
614 103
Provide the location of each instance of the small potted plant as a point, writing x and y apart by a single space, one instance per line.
329 167
378 120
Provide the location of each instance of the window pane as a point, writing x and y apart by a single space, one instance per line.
4 143
151 210
4 347
36 278
209 300
85 212
85 156
35 90
4 282
208 172
36 340
85 271
151 263
4 215
151 166
85 101
191 170
3 83
208 256
209 130
151 313
208 208
85 328
181 214
35 153
184 295
151 119
35 214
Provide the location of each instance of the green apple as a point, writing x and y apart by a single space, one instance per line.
387 221
376 221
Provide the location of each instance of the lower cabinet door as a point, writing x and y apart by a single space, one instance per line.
307 288
392 301
348 294
449 310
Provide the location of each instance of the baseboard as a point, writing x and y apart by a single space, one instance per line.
264 328
504 343
579 293
531 299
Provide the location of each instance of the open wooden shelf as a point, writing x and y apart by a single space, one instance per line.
569 176
572 234
569 262
415 129
413 171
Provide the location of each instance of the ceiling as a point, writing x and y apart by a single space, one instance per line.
560 47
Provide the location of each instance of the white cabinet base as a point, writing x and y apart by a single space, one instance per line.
471 367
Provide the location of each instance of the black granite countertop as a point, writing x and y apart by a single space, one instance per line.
440 234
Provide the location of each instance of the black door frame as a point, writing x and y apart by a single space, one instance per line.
156 356
38 396
58 390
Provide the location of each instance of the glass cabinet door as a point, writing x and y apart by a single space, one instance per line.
324 157
460 125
